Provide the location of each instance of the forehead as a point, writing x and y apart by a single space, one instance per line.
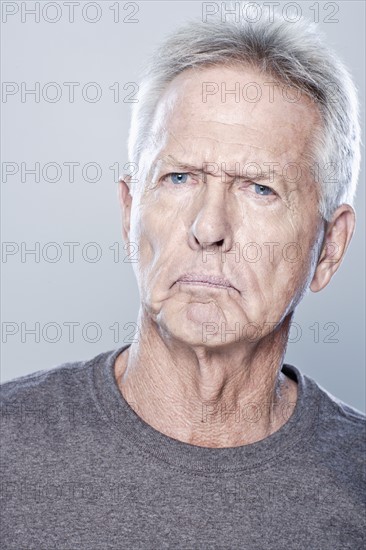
233 114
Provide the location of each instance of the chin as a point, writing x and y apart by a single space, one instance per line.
198 324
195 338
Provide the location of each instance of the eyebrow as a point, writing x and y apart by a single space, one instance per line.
263 175
170 161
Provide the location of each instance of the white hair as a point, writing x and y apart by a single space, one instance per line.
295 54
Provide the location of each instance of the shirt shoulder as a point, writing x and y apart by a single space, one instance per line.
341 430
48 383
340 411
43 406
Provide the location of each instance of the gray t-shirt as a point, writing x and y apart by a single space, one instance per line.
83 471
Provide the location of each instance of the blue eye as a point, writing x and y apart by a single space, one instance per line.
177 177
262 189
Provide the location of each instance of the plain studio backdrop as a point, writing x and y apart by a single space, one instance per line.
68 289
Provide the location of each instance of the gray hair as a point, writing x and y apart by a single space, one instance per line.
295 54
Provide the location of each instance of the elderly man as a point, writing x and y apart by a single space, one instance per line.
198 435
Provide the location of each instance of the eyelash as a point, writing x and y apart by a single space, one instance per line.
167 176
192 175
273 192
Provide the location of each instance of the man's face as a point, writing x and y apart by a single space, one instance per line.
212 205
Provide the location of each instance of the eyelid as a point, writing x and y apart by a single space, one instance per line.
261 185
190 174
249 180
195 175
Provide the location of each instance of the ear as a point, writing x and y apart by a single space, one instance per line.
338 233
125 200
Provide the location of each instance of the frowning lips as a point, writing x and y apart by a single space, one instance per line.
205 279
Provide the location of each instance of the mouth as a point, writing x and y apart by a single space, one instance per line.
206 280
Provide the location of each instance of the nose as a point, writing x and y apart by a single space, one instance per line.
211 225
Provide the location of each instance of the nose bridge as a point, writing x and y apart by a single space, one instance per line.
211 224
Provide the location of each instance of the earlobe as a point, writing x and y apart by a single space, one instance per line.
336 240
125 200
322 275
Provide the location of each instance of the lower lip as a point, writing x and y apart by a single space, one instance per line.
203 283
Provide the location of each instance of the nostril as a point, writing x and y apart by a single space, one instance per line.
209 243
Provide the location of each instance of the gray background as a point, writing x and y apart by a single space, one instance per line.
105 292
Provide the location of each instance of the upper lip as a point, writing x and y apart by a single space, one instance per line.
205 278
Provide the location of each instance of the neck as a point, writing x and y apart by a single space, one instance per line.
220 397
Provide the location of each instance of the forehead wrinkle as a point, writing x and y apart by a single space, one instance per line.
163 132
226 142
241 125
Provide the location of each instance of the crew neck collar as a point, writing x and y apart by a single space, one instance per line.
126 423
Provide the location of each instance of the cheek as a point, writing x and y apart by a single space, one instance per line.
284 262
158 233
144 226
162 226
288 275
